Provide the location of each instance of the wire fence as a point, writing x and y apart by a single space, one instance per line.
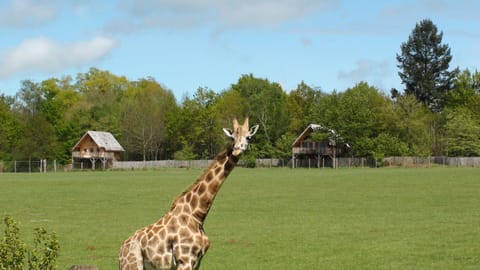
41 166
30 166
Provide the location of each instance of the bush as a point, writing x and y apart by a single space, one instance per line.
250 159
45 252
43 256
12 249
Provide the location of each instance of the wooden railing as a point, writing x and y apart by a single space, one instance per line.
106 155
305 151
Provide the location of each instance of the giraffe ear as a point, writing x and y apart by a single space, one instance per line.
228 132
252 130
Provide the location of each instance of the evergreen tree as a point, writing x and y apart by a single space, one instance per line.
424 63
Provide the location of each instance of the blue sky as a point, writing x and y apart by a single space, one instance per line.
186 44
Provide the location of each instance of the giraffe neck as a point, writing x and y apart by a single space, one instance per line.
197 200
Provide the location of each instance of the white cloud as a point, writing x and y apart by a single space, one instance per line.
265 12
25 13
45 55
367 71
223 15
455 10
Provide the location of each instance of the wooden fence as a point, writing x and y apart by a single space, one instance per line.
155 164
310 163
429 161
343 162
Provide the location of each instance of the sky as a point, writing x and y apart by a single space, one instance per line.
187 44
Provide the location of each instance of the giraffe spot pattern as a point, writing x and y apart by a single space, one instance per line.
178 237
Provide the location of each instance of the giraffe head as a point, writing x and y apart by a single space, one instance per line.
240 135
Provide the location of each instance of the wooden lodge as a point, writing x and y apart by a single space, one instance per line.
308 152
97 147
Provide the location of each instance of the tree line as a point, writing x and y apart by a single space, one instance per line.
438 112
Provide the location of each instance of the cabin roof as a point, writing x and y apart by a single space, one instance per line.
309 129
102 139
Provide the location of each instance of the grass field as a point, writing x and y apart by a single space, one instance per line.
266 218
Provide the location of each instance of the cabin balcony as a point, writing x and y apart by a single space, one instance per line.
88 154
312 151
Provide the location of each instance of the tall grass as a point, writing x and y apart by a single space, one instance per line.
266 218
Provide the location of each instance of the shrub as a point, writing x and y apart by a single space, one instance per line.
250 160
12 249
43 256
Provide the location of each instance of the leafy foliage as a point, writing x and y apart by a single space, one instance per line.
143 116
302 103
424 63
411 123
462 133
437 113
265 103
12 249
43 256
9 128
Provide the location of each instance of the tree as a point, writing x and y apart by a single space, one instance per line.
266 105
38 137
58 97
363 114
8 128
326 112
388 145
99 108
194 128
462 133
424 62
38 141
145 106
412 123
466 93
301 104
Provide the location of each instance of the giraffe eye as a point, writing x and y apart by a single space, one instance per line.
249 138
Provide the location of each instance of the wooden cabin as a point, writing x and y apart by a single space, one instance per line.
306 152
97 146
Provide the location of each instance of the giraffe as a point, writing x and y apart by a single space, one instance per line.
177 240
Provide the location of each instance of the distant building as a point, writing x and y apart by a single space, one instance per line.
97 146
306 152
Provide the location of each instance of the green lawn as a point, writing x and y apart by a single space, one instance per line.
266 218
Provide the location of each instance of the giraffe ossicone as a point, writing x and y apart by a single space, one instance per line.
177 240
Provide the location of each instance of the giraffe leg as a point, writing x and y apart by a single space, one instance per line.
192 263
188 257
130 256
